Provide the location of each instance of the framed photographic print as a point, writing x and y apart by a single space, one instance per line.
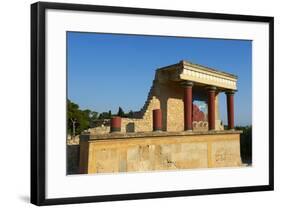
135 103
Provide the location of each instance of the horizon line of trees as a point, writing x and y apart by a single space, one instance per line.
79 120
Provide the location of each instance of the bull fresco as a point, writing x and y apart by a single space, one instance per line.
200 110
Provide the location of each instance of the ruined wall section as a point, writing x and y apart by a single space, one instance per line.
142 123
162 95
151 153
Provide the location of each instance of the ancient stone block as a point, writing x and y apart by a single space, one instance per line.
168 152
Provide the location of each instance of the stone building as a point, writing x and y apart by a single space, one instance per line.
178 127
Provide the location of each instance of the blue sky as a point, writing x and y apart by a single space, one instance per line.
106 71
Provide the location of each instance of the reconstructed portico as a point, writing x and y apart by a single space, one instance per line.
178 127
212 82
187 95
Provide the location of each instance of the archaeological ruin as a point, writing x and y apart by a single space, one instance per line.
179 126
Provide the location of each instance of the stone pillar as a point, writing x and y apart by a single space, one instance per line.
187 102
115 124
230 109
211 108
157 120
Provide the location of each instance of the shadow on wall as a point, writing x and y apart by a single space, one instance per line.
73 155
167 92
130 127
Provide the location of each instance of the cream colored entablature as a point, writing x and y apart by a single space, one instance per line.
185 70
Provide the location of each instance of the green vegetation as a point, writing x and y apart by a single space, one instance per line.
79 120
246 143
120 112
105 115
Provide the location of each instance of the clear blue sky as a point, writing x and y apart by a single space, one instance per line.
106 71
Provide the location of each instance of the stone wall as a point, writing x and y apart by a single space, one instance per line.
159 151
143 124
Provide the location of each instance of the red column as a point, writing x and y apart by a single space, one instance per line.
157 120
230 109
115 124
187 99
211 108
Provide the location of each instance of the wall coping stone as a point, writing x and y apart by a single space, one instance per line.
120 135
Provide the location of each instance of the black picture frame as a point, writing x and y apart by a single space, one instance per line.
38 106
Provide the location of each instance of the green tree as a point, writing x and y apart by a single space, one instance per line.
109 114
105 115
120 112
77 120
94 115
130 114
246 143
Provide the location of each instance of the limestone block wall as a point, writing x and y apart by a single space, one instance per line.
100 130
163 151
143 124
171 104
169 99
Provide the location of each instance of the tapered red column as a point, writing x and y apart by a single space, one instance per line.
157 120
230 109
211 108
115 124
187 100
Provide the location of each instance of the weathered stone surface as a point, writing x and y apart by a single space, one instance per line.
166 151
153 134
225 153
